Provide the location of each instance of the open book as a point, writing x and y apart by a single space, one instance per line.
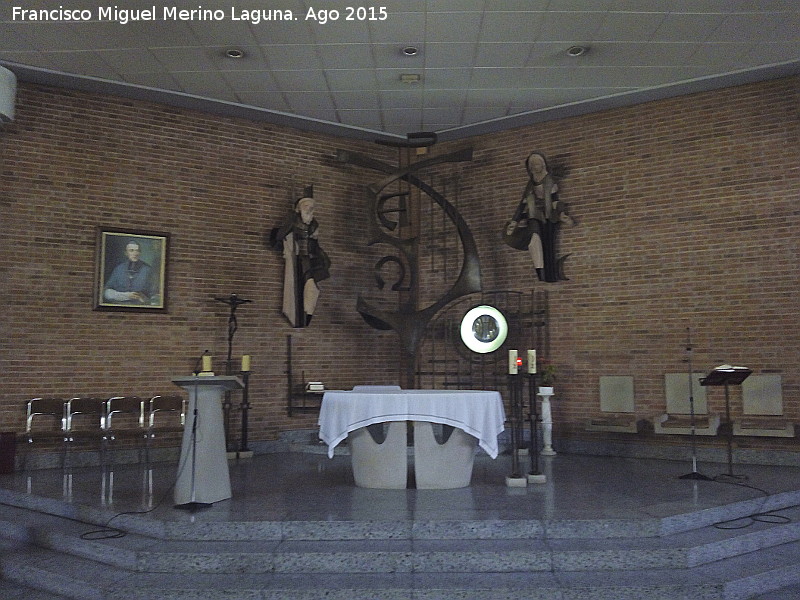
726 375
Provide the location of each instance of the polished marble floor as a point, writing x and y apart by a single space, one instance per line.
311 487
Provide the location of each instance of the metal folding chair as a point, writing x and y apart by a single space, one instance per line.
45 422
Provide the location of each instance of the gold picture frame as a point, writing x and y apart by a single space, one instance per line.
131 270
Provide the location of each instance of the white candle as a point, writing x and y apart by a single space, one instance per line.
531 361
206 364
245 362
513 368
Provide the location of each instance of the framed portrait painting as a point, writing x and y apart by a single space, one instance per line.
131 270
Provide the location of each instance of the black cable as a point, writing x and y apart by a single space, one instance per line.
737 481
765 517
757 517
109 533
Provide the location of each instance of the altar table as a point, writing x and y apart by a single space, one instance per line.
477 415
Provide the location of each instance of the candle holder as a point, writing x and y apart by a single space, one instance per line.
516 479
244 451
234 302
534 475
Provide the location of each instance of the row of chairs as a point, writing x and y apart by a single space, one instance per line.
103 420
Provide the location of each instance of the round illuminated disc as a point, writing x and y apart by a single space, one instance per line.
483 329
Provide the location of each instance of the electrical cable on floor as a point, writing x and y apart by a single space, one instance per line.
106 532
751 519
109 533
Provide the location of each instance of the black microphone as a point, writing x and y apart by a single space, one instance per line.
197 364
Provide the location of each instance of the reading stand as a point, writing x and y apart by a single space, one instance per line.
727 376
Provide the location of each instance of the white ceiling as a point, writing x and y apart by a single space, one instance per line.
485 65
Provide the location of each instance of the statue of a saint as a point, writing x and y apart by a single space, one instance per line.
306 263
534 226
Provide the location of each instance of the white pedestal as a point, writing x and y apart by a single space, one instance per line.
203 475
547 422
436 466
383 466
442 466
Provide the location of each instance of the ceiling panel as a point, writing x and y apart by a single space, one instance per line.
296 82
502 54
131 61
361 117
400 30
352 80
267 100
200 82
509 26
453 26
346 56
628 26
157 80
483 64
450 55
367 101
569 26
687 27
250 81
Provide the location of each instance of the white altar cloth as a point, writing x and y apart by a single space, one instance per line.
476 412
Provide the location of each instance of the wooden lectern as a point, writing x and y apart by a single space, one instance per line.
203 476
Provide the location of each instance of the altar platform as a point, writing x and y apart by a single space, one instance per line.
298 527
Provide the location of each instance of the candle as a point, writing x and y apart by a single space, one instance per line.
531 362
513 367
206 363
245 363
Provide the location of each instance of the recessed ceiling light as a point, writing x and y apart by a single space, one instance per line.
410 78
410 50
577 51
234 53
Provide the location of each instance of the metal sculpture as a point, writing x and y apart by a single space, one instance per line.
408 321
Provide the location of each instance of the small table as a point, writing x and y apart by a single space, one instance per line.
477 415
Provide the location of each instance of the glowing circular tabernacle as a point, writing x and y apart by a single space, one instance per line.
484 329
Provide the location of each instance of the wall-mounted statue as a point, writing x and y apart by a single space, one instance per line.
306 263
536 221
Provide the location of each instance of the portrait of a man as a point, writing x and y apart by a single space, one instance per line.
131 270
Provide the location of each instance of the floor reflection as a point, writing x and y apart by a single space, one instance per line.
312 487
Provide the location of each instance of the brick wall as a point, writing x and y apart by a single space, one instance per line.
686 209
72 162
688 216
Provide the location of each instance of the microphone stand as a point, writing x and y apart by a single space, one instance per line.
694 474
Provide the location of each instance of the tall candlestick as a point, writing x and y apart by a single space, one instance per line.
206 363
245 363
531 361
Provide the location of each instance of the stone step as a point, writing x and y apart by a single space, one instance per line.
221 530
80 578
135 552
10 590
789 592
